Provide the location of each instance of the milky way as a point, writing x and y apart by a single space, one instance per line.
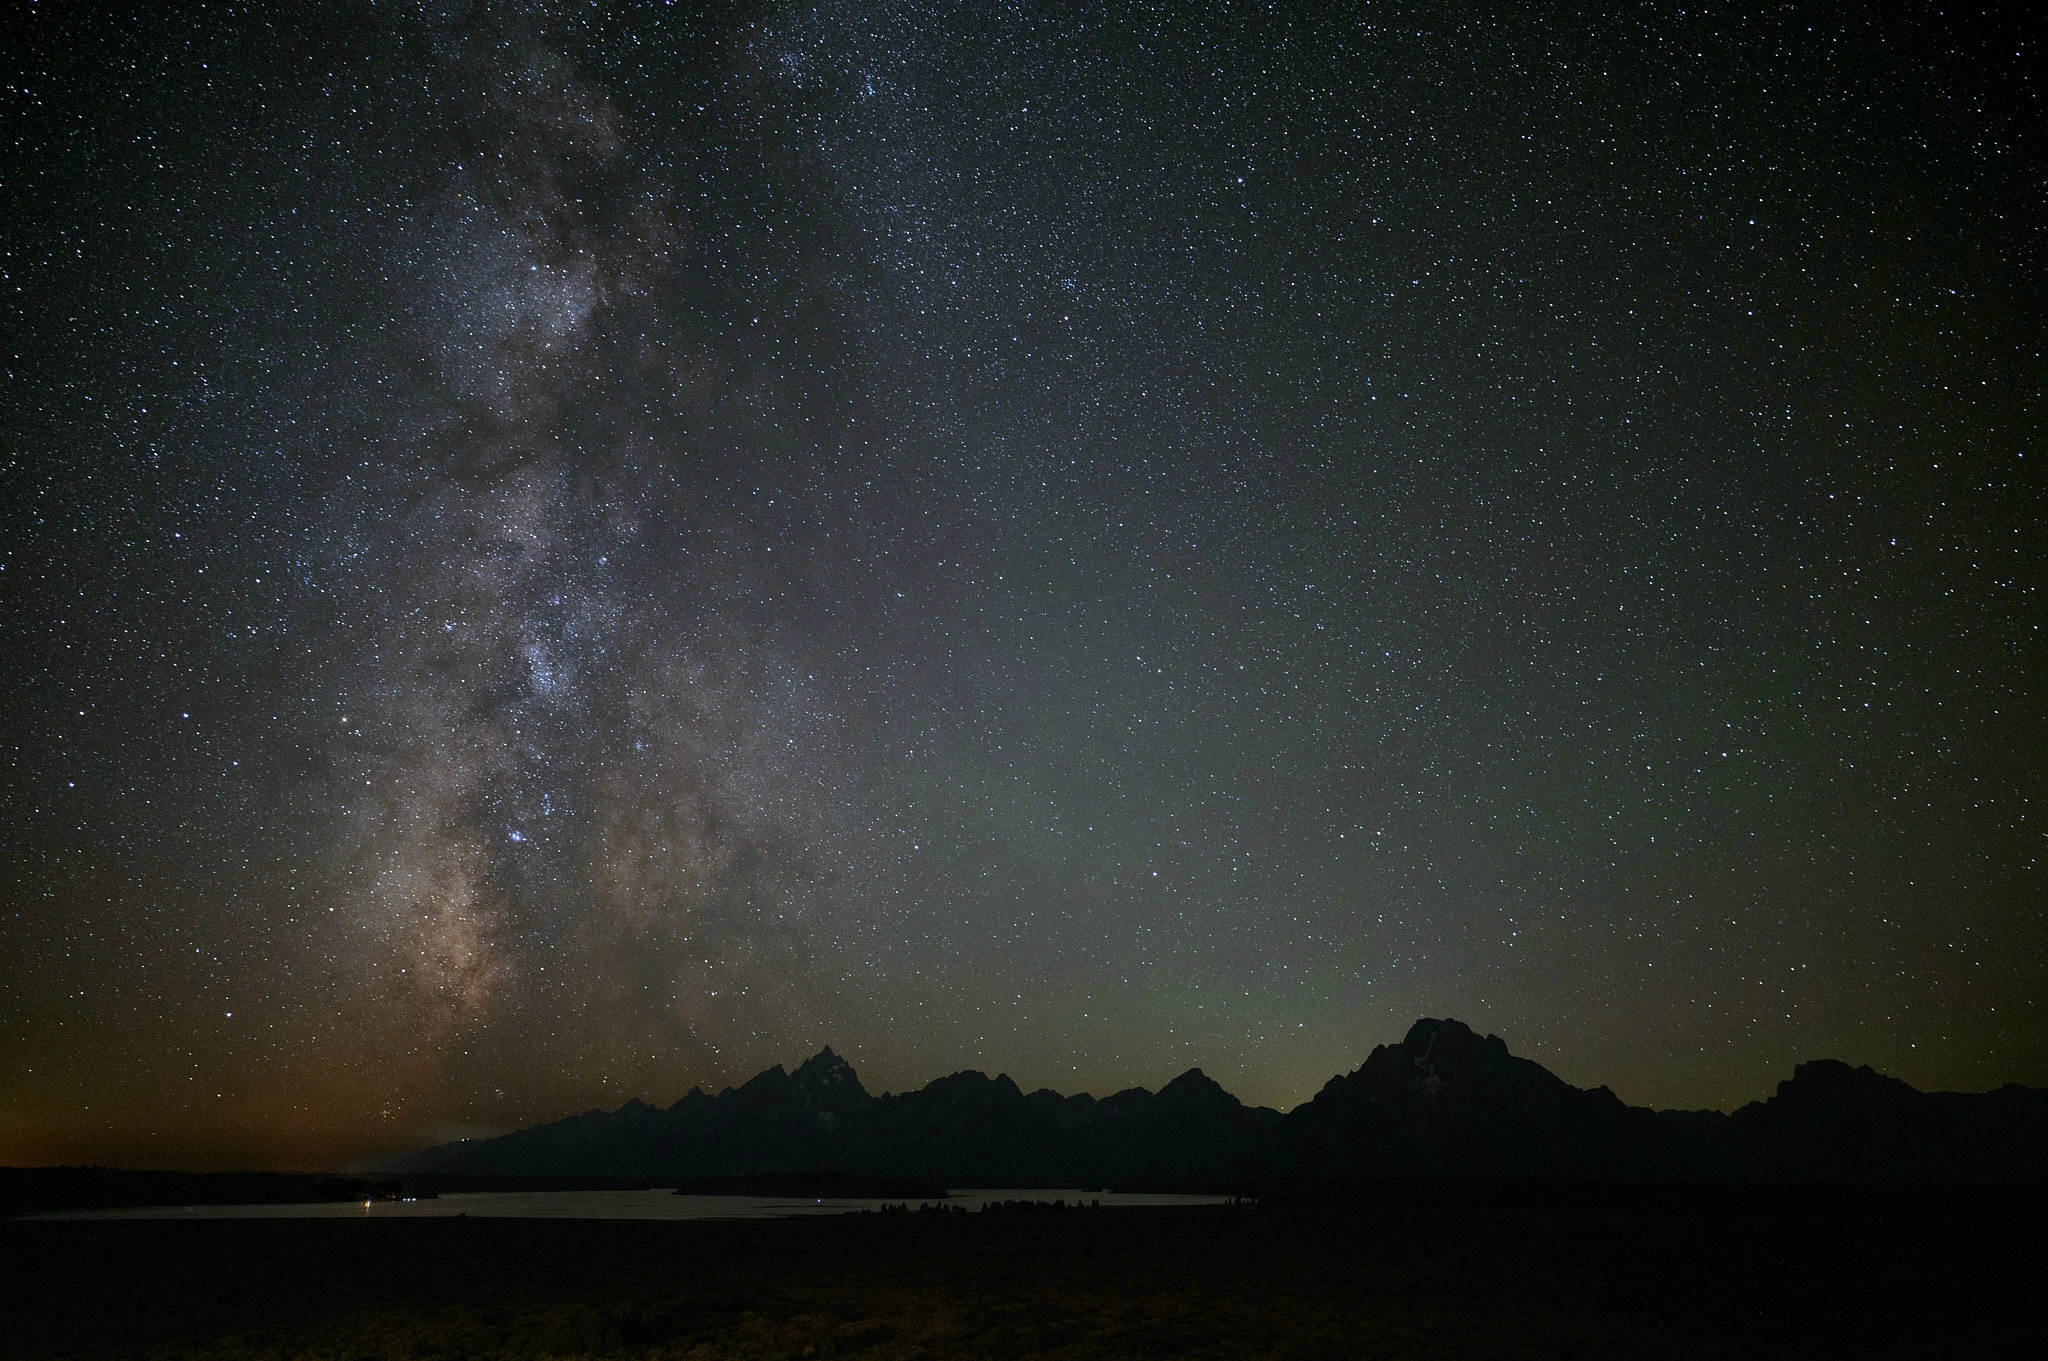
555 762
554 554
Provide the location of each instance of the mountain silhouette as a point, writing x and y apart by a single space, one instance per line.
1444 1102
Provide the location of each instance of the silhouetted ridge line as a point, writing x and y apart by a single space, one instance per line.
30 1190
1444 1102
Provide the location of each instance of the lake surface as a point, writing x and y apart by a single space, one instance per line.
654 1204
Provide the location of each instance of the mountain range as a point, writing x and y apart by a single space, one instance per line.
1444 1102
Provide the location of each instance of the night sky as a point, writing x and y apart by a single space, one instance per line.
555 553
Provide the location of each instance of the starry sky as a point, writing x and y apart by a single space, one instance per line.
558 552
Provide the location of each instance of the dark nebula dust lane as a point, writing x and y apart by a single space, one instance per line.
555 553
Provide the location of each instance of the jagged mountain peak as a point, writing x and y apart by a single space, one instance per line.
1452 1041
824 1081
830 1082
1426 1029
825 1066
1197 1085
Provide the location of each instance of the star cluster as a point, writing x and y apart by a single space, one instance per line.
562 552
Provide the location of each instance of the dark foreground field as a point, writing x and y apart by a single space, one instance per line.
1929 1280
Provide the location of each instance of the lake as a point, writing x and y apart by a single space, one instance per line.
653 1204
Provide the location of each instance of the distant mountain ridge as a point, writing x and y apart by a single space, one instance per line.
1443 1102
